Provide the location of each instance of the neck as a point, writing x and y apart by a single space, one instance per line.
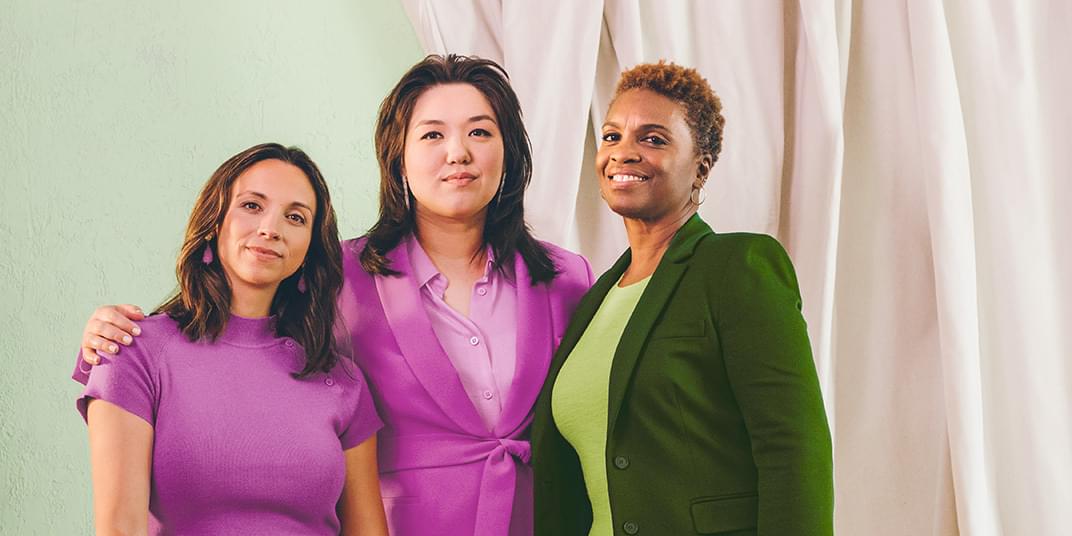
451 242
252 302
649 240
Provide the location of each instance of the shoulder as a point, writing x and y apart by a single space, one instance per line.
158 331
351 260
748 264
737 248
146 353
571 266
351 250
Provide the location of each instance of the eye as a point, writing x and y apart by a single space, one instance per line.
296 218
480 132
611 136
654 140
250 205
431 135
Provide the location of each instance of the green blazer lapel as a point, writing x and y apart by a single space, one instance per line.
663 282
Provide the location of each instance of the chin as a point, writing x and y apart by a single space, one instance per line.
632 210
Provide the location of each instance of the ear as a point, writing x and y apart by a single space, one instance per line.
704 162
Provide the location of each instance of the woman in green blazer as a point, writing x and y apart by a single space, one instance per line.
683 398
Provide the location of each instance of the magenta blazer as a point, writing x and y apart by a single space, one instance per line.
441 471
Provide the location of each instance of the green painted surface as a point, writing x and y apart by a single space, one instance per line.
112 115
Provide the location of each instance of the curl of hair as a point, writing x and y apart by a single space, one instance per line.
685 86
202 304
504 229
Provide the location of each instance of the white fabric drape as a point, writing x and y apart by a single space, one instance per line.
912 158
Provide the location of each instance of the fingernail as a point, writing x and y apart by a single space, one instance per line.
112 349
136 330
126 339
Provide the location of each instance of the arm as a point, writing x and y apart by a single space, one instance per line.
769 362
361 508
120 453
107 328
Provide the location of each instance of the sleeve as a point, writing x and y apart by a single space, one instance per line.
363 421
129 382
772 374
81 370
590 277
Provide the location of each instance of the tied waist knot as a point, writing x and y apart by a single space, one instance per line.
498 483
518 448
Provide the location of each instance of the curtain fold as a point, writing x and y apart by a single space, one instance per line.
913 158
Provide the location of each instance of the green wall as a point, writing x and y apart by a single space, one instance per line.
112 115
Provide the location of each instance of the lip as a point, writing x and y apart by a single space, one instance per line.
264 253
460 178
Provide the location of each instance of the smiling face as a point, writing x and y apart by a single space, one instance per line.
647 162
267 227
453 157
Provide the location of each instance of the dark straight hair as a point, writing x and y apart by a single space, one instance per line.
504 229
202 303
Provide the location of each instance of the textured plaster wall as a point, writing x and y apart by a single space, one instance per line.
112 115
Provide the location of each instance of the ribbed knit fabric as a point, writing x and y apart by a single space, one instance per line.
240 446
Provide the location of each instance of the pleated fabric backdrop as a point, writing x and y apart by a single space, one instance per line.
913 157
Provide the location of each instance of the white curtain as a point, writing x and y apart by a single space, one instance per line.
913 157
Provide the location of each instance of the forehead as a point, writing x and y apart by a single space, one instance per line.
446 102
643 106
278 181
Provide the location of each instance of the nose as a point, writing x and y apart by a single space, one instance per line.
458 150
268 228
624 152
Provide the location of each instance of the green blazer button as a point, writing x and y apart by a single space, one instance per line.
630 527
621 462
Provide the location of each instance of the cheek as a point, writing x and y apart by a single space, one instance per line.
299 243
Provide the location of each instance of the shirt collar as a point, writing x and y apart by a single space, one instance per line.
424 270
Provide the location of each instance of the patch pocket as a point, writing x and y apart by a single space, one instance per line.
713 515
681 329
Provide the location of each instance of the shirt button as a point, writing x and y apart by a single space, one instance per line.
482 291
474 341
329 382
621 462
487 394
630 528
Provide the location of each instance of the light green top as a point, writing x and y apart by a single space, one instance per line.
580 396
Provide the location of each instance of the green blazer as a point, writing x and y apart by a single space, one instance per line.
716 422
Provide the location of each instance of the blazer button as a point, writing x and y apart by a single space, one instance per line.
630 527
621 462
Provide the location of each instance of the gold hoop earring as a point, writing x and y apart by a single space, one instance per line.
698 193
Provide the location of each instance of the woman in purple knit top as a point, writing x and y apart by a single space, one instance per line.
231 413
450 306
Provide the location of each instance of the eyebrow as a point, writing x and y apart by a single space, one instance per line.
646 126
264 197
473 119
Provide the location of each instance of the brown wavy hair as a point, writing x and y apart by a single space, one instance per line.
505 229
202 303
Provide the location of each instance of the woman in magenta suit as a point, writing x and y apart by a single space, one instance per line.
449 305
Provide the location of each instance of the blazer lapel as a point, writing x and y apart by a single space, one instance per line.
533 349
658 292
403 306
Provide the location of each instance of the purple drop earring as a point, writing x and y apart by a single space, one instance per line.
301 282
207 256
